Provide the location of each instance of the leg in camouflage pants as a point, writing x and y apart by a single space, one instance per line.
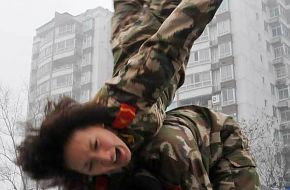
151 49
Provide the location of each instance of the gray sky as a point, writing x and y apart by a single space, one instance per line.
19 19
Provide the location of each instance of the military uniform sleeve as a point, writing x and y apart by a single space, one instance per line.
160 61
236 168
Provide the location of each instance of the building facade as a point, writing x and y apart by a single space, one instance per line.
277 25
71 57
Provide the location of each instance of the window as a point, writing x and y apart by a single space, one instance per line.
204 55
86 59
272 89
88 25
225 50
87 42
280 71
197 80
274 12
200 56
228 96
276 31
65 45
227 73
285 116
62 66
85 95
43 88
223 27
70 44
86 77
223 7
60 46
278 51
43 70
283 93
66 29
213 32
45 52
62 81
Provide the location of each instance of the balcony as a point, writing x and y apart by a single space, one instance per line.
284 80
284 103
285 127
279 39
281 60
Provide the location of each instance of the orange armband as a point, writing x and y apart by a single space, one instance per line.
124 117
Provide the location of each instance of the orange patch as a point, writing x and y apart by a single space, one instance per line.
124 117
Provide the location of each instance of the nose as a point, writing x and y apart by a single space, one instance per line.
104 156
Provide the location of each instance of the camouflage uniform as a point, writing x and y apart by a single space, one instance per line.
195 148
151 42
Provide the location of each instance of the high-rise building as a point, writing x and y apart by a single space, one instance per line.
71 56
277 25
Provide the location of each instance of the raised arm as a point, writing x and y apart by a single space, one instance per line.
146 84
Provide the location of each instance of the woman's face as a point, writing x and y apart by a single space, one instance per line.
95 150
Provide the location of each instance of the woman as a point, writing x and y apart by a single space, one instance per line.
118 134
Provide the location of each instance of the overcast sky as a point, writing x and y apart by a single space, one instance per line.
18 22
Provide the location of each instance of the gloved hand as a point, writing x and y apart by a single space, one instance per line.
145 181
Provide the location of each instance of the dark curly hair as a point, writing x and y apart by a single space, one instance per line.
41 154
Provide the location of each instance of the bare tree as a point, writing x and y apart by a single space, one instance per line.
267 148
11 112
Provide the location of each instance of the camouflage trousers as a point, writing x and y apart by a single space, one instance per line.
151 42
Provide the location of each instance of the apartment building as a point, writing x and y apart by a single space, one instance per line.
71 56
277 25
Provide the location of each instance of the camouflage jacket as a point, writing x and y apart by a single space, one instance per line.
195 149
143 86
